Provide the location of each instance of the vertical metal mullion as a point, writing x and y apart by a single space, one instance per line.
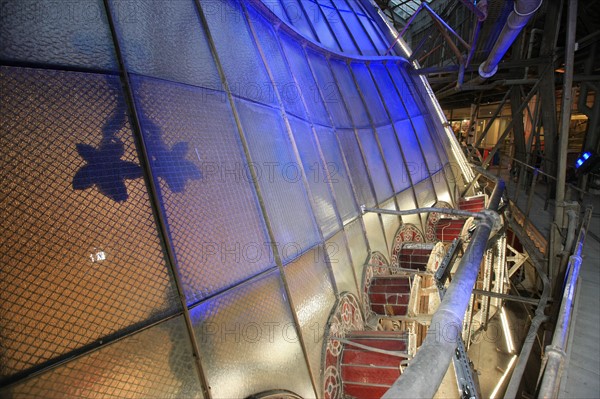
154 198
352 184
395 133
412 184
363 26
416 136
329 26
437 149
379 147
346 27
310 198
255 180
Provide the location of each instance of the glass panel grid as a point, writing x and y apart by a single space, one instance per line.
80 252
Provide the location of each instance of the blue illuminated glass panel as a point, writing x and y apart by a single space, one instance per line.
337 174
338 26
355 27
379 176
350 94
241 61
320 25
388 91
393 158
356 167
305 81
369 91
317 176
165 41
329 89
279 176
417 168
429 150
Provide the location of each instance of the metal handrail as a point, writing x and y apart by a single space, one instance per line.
424 375
555 352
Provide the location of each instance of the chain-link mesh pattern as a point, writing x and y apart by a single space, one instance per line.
213 216
155 363
248 341
77 264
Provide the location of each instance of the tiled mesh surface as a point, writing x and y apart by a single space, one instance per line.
406 200
355 28
424 136
356 166
357 243
336 22
338 175
341 263
77 264
318 177
317 19
375 234
70 33
393 158
388 91
379 175
415 163
248 341
313 295
305 80
212 212
242 64
165 40
350 94
155 363
289 90
332 98
369 91
279 176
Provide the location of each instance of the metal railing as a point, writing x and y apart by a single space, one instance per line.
427 369
555 353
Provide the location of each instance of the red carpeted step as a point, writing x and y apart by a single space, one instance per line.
473 204
447 230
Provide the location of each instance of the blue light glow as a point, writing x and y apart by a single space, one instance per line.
586 155
579 163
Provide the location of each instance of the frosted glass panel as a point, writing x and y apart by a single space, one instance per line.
304 78
331 96
155 363
248 340
341 263
241 61
402 88
338 176
357 243
338 27
80 254
165 40
73 33
391 223
379 175
441 187
320 25
356 167
289 90
406 200
429 150
369 91
279 176
425 193
297 16
417 168
313 295
318 177
388 91
351 96
213 216
393 158
375 233
355 27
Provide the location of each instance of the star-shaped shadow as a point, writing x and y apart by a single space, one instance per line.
106 170
172 166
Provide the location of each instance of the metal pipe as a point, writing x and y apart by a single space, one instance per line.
445 211
555 354
517 19
423 376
